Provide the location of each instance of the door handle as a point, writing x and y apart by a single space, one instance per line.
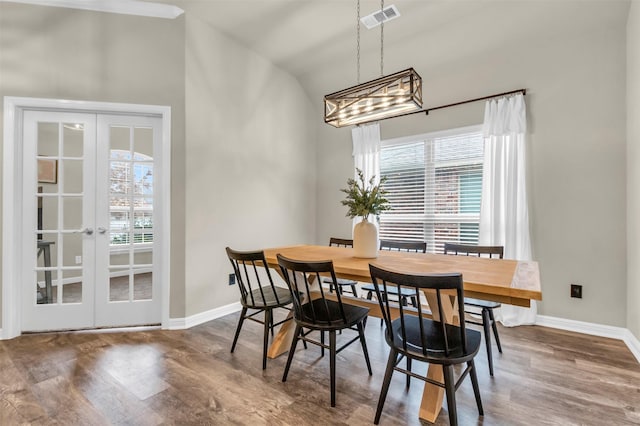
101 230
87 231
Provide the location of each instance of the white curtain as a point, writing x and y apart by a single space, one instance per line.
504 218
366 153
366 149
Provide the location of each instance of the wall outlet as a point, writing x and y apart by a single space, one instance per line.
232 279
576 291
78 260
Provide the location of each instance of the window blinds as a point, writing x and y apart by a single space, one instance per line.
434 186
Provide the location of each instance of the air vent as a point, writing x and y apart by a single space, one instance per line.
379 16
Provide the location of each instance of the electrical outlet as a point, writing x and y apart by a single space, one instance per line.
78 260
576 291
232 279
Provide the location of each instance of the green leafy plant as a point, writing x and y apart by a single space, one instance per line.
365 199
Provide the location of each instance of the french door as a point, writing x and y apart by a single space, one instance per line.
89 195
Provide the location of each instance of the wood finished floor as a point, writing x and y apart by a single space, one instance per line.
544 377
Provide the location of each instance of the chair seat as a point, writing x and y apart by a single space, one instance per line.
328 316
406 292
270 300
481 303
340 281
435 342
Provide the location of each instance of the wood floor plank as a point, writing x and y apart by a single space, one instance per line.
544 377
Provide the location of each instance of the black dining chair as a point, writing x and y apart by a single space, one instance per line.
342 282
486 306
410 334
406 246
321 313
256 294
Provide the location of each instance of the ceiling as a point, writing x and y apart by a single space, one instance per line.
315 40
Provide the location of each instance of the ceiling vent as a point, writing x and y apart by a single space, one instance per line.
380 16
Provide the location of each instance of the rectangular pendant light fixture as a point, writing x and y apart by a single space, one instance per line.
384 97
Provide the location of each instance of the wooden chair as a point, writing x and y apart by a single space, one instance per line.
256 296
320 314
342 283
411 335
487 307
408 246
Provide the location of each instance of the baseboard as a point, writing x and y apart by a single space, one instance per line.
593 329
202 317
633 344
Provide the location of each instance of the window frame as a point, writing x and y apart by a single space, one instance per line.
430 217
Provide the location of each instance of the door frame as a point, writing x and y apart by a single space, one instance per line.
12 196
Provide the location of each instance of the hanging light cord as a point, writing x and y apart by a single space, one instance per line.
358 44
381 39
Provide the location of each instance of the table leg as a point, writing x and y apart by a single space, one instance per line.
432 395
282 342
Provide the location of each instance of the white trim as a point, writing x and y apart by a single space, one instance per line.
592 329
13 108
202 317
432 135
130 7
116 274
633 344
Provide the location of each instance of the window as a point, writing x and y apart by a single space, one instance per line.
131 198
434 184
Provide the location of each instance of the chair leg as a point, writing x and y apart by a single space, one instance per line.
332 365
354 290
450 390
268 320
296 336
408 369
363 342
271 324
322 342
240 321
486 324
391 363
476 388
495 330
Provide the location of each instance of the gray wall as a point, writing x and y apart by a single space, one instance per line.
250 170
576 110
633 169
243 156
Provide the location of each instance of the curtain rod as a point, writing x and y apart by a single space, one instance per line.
426 111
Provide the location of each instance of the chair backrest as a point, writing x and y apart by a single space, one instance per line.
304 276
412 246
246 267
411 335
340 242
464 249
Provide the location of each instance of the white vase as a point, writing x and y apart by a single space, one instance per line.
365 240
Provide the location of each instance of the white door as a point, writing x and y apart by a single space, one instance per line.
88 203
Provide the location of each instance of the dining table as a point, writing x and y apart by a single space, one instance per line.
506 281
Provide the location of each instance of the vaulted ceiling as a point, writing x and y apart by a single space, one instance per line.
315 40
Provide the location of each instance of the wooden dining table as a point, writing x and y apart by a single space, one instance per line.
507 281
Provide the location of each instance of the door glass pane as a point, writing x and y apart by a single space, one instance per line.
72 249
141 257
119 258
143 142
72 139
71 176
72 213
120 143
142 285
143 178
47 139
119 285
71 287
45 291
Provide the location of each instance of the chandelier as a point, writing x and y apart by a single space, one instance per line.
385 97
